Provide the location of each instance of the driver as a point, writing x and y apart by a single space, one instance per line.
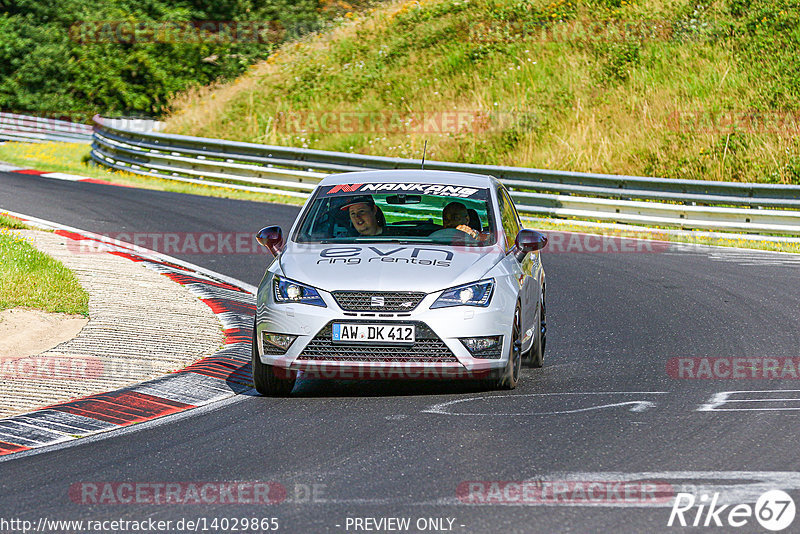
364 215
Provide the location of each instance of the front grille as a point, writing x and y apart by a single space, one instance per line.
272 350
392 301
488 354
427 348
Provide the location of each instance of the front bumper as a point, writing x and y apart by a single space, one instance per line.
436 353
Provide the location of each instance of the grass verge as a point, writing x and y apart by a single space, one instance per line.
31 279
10 223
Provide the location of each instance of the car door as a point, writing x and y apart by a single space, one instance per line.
510 221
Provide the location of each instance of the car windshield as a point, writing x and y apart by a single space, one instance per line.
419 213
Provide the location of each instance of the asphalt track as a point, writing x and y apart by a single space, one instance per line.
603 408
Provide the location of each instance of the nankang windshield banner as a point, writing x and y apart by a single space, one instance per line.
456 191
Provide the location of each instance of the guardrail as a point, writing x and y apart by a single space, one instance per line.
691 204
29 129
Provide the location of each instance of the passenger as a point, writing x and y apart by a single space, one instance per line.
366 217
455 215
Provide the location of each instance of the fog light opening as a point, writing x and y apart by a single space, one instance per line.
279 341
483 347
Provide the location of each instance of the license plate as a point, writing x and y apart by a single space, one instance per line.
380 333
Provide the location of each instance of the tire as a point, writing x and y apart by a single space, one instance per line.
510 377
536 353
267 381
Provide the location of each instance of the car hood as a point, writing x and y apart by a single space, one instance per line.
384 267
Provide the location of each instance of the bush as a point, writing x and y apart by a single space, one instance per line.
48 67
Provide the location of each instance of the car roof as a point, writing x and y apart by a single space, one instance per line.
413 176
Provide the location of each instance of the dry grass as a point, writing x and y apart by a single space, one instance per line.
592 105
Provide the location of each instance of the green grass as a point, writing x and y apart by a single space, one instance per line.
547 92
10 223
32 279
74 159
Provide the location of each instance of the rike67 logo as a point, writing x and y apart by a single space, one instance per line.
774 511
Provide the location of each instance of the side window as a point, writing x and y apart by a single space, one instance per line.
508 218
516 213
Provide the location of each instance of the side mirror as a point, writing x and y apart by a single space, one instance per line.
271 237
528 241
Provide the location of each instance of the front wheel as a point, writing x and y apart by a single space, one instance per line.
510 377
269 380
536 356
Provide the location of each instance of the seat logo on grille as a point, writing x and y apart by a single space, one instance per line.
376 301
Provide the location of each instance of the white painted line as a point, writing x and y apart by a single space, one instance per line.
12 437
637 406
64 176
21 428
764 400
65 422
725 397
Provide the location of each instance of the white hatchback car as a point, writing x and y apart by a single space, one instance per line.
401 274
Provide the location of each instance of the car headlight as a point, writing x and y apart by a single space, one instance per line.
474 294
289 291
